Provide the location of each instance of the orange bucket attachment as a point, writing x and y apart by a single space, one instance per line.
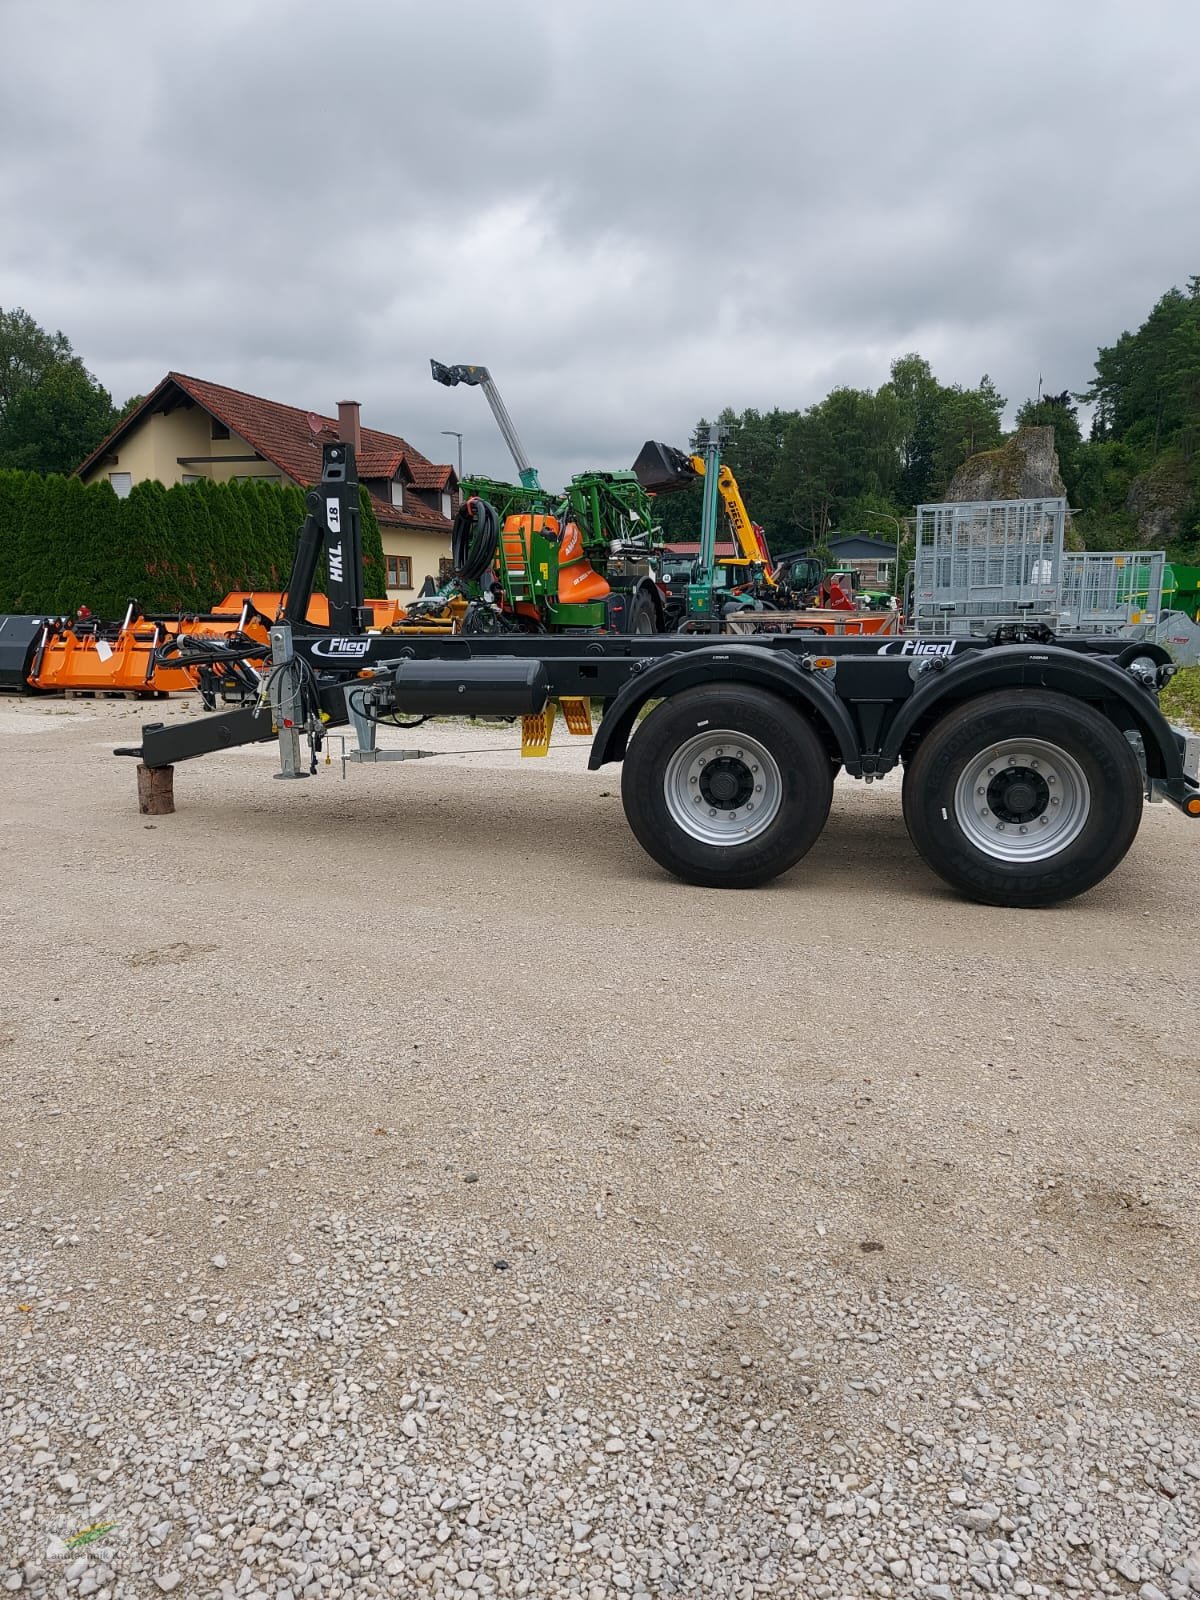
79 659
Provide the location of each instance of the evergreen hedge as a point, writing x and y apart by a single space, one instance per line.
64 544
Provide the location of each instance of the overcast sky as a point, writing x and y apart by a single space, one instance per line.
633 213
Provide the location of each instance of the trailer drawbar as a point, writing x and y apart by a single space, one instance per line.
1026 758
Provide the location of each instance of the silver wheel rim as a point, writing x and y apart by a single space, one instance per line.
722 787
1022 800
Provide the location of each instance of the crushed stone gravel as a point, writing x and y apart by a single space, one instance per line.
407 1190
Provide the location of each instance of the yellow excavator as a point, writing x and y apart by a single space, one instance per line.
748 536
748 591
662 469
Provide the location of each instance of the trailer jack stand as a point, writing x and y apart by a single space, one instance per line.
156 790
282 687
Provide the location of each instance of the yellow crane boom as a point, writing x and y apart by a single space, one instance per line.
752 548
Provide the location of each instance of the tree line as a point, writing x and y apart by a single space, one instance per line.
64 544
860 458
854 461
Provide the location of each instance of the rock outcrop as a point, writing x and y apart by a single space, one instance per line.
1024 468
1158 498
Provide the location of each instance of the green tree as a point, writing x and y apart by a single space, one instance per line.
12 521
53 424
678 514
50 560
753 449
183 523
805 480
918 396
78 570
20 494
939 426
374 572
966 421
1143 457
143 566
96 519
27 354
218 554
281 534
837 456
1147 385
241 565
208 573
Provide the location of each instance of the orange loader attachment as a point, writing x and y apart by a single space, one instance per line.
80 655
74 657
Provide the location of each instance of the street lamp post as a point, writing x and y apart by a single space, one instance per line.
451 434
887 517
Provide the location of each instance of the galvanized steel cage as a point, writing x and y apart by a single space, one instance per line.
980 562
1118 591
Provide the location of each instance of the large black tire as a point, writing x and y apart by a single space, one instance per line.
1023 797
726 786
642 616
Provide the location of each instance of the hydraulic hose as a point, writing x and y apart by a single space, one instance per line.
197 649
474 539
390 720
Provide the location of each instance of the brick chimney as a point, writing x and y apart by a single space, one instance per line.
350 425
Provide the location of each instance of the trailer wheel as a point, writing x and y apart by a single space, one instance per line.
643 614
726 786
1023 797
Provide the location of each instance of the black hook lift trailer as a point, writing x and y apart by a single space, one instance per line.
1026 758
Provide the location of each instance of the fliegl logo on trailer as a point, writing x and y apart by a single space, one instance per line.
916 647
341 647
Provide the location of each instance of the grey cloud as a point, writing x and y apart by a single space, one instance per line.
632 213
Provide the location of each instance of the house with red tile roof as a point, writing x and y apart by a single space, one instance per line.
188 428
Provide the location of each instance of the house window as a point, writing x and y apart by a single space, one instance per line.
219 430
447 503
122 483
399 572
191 477
397 493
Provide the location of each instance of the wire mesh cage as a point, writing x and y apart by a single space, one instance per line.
978 562
1111 592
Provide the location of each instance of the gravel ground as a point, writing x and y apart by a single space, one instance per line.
406 1189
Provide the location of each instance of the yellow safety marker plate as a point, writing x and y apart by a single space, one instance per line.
577 713
536 731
